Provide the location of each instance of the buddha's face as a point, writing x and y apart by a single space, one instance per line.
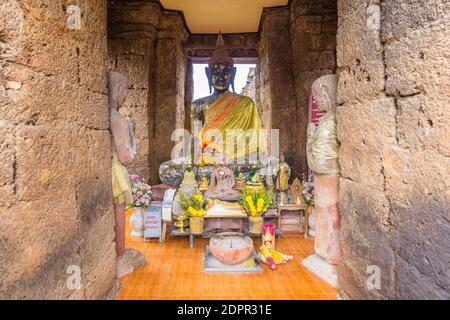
221 76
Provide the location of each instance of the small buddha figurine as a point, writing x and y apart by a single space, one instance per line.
284 173
296 192
240 181
204 184
254 183
269 175
282 184
221 186
181 222
189 178
188 186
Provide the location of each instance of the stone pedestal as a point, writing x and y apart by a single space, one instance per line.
321 268
129 261
327 227
326 189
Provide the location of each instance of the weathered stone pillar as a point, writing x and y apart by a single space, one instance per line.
313 35
393 120
188 94
132 31
168 113
275 83
55 154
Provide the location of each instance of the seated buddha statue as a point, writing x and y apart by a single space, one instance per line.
222 183
225 115
225 127
188 186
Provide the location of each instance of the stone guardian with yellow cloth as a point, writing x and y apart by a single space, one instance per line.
323 154
123 153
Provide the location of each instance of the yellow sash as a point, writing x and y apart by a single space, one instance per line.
236 113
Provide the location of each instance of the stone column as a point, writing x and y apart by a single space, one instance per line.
393 119
132 31
275 82
57 219
188 94
168 113
313 35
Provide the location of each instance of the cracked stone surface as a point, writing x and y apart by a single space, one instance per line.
55 198
394 111
392 58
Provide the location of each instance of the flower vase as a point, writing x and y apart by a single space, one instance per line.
196 225
312 222
137 222
255 224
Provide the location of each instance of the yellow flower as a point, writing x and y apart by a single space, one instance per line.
199 198
197 213
249 199
260 204
252 208
191 211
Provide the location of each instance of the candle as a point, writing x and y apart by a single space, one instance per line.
268 235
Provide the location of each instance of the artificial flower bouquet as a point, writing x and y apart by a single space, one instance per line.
192 205
193 209
256 203
308 189
141 191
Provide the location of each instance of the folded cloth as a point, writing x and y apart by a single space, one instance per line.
216 208
121 185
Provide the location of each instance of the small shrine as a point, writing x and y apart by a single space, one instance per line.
224 149
232 195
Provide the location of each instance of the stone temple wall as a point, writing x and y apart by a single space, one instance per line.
393 63
313 34
132 32
250 88
240 45
188 93
168 113
55 154
275 93
146 44
297 46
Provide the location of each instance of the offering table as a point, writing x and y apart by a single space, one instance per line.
236 220
295 207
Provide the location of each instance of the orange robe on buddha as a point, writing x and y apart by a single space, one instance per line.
232 129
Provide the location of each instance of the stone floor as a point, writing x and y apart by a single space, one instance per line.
173 271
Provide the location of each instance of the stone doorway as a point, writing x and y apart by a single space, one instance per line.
392 59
